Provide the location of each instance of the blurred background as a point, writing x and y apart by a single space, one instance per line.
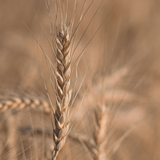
122 58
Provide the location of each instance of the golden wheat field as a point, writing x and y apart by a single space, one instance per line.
80 79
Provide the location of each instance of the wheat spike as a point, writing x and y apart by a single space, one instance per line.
96 145
64 92
101 123
19 103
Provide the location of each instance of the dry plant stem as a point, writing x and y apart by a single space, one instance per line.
12 136
63 75
84 139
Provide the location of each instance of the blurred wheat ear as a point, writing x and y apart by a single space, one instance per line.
96 145
21 102
101 122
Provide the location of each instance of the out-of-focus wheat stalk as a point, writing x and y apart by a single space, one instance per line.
96 145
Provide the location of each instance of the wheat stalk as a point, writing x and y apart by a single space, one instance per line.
84 140
63 74
96 145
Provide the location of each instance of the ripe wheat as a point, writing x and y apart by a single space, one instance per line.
64 92
100 134
96 145
19 103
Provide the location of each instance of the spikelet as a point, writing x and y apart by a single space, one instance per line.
63 75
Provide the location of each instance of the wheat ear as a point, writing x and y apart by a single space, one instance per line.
101 123
63 75
19 103
96 145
